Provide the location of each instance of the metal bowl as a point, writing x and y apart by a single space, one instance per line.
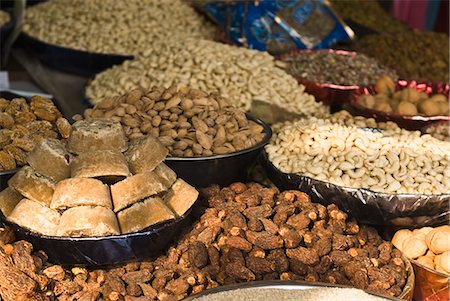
409 122
219 169
292 285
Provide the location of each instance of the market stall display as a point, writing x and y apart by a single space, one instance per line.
248 233
239 74
23 125
415 54
411 104
332 75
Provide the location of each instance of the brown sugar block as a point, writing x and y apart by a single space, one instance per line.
36 217
144 214
88 221
96 134
181 197
9 198
135 188
33 186
99 163
145 153
80 192
51 159
167 175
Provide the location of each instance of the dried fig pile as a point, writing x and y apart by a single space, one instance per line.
189 122
23 125
249 232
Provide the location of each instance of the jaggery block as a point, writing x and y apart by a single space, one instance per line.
167 175
99 163
96 134
144 214
145 153
9 198
51 159
81 192
88 221
33 186
36 217
135 188
181 197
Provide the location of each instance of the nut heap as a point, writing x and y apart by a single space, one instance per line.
427 246
335 67
388 161
439 131
4 18
97 185
113 27
237 73
406 101
23 125
345 118
189 122
248 233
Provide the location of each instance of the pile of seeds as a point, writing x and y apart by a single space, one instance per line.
189 122
4 18
113 27
23 125
249 232
416 54
377 20
237 73
335 67
388 161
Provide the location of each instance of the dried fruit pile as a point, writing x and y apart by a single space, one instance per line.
248 233
23 125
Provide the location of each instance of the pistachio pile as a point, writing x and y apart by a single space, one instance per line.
335 67
388 161
406 101
239 74
113 27
416 54
439 131
345 118
4 18
189 122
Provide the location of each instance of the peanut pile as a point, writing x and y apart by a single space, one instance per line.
4 18
388 161
237 73
113 27
248 233
23 125
189 122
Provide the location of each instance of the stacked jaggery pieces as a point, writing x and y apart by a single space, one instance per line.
97 184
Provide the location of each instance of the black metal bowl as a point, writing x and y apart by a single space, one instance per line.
367 206
219 169
74 61
105 250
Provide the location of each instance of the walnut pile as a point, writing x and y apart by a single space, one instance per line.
23 125
249 232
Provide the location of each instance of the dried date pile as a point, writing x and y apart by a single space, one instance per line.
23 125
189 122
249 232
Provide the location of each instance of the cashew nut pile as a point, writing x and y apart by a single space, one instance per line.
238 74
388 161
4 18
111 26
